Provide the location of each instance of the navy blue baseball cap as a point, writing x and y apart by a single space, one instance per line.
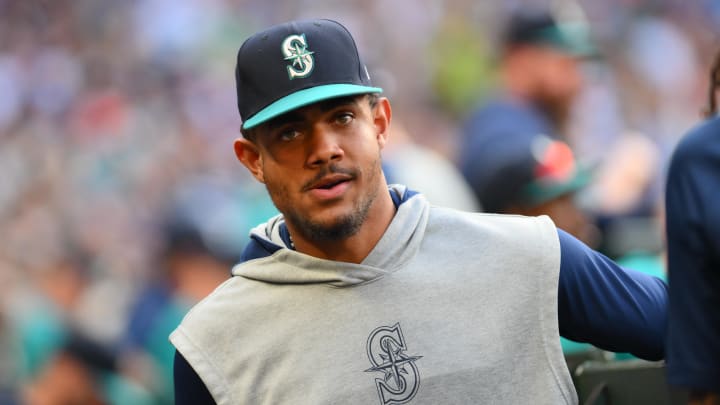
295 64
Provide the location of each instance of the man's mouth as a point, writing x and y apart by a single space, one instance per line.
330 187
331 181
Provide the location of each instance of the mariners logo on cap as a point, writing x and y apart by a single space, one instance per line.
295 49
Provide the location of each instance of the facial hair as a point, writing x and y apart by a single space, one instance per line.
556 107
343 226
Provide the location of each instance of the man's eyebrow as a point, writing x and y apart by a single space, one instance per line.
287 118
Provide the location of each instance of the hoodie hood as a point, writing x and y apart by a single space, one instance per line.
270 256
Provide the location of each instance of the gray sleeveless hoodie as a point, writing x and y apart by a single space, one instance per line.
448 308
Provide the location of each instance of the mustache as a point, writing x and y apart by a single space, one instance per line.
327 170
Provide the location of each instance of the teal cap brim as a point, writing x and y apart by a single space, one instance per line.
305 97
539 192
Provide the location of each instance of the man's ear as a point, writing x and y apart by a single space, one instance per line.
249 155
382 115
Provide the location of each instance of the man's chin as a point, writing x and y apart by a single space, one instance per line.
332 229
337 230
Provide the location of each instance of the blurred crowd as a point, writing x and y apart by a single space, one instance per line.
122 203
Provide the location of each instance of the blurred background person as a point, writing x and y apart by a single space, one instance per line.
189 267
693 238
540 76
507 140
558 80
70 376
59 359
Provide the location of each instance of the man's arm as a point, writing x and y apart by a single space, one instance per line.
189 388
614 308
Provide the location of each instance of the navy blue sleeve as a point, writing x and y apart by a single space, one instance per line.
693 238
189 388
613 308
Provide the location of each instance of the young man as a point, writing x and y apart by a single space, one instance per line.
362 293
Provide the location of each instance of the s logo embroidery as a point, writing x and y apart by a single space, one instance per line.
386 351
295 50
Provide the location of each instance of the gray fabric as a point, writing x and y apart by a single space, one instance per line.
464 305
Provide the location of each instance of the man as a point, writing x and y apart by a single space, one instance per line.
362 293
693 238
539 69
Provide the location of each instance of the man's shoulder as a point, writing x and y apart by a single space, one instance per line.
448 213
448 220
208 313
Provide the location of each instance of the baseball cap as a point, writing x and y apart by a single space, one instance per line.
534 27
529 173
295 64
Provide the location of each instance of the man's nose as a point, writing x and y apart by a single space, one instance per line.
324 148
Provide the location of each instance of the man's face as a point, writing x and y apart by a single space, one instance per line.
558 82
321 164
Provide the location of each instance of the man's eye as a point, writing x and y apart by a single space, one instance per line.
344 118
289 135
